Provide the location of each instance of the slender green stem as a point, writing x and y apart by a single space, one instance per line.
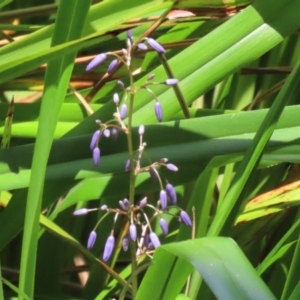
131 181
130 150
176 88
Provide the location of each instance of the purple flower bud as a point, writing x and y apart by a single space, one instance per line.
91 239
95 139
98 60
172 167
155 45
132 232
125 52
127 165
171 193
106 133
109 247
123 111
171 81
142 46
185 219
120 84
126 203
116 98
98 122
141 129
164 160
154 239
96 156
143 202
80 212
125 242
122 205
163 199
158 111
146 240
151 76
112 66
104 207
164 226
114 133
129 34
153 174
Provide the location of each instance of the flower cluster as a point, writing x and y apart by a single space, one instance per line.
139 220
141 216
126 61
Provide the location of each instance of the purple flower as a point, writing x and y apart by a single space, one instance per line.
142 46
112 66
172 167
91 239
125 242
127 165
150 245
129 34
158 111
164 226
171 81
185 219
116 98
143 202
164 160
126 203
151 76
106 133
132 232
114 133
80 212
98 60
171 193
120 84
154 239
104 207
153 173
96 156
123 111
109 247
95 139
163 199
141 129
155 45
122 205
146 240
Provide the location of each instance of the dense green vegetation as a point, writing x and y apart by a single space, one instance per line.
231 125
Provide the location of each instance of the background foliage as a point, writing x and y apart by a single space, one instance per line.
237 150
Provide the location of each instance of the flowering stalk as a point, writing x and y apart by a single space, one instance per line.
131 179
136 214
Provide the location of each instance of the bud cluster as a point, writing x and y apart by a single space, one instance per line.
140 217
126 61
140 230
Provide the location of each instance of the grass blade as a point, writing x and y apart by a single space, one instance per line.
70 21
293 275
231 204
224 267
